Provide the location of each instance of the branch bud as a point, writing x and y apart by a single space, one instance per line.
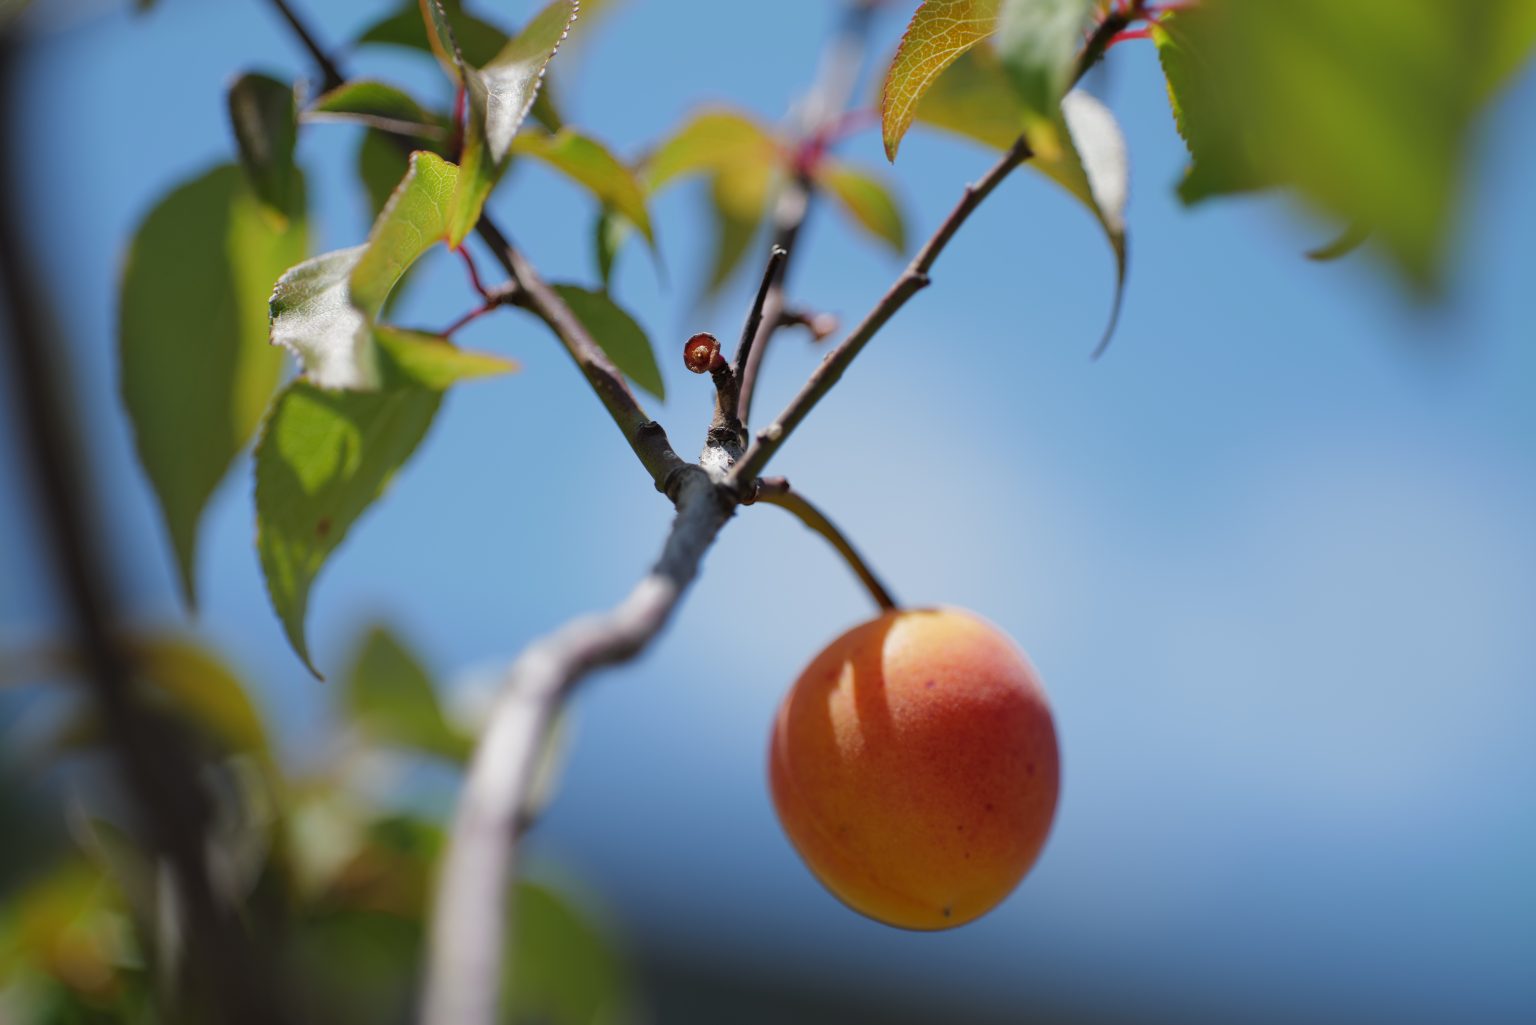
702 353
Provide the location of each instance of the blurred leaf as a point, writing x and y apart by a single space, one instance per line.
381 106
499 96
711 141
1038 42
974 98
563 967
192 324
380 166
202 690
1366 109
1512 36
1351 238
867 199
322 309
69 924
608 235
479 40
940 31
617 333
263 113
393 701
323 458
431 361
589 163
738 198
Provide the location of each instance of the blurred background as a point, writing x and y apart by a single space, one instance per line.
1272 555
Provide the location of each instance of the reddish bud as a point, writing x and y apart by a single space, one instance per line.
702 353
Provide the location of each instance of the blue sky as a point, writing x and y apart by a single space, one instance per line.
1273 554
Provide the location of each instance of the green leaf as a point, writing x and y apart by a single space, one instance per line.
1365 109
391 698
975 99
378 105
1351 238
617 333
1512 39
499 96
192 324
323 309
431 361
479 40
380 166
867 199
940 31
1093 166
203 690
1038 42
589 163
263 113
563 966
711 141
323 458
609 233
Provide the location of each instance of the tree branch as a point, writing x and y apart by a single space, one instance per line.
776 491
466 941
912 280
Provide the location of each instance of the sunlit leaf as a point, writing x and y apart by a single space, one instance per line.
262 112
392 700
499 95
589 163
617 333
430 361
1038 41
940 31
323 458
711 140
378 105
192 324
323 308
867 199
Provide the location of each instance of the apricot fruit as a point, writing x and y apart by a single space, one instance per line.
914 767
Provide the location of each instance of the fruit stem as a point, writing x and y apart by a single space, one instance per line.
776 491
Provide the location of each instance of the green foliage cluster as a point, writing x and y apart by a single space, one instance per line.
1365 111
333 878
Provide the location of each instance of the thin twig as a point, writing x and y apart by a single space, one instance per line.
329 70
730 405
467 939
912 280
776 491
